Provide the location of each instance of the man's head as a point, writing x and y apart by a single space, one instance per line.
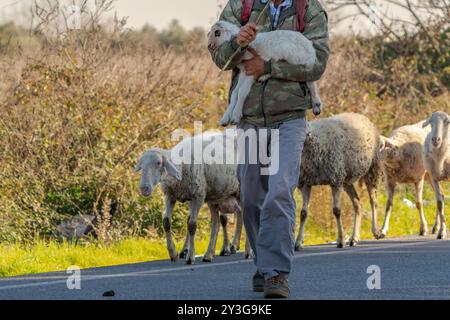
221 32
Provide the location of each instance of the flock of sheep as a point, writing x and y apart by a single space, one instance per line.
339 151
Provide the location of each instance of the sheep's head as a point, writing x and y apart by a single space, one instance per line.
221 32
439 122
154 166
388 149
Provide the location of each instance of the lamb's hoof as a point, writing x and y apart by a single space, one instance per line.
423 233
190 261
340 246
233 250
353 243
225 121
381 236
235 121
183 254
225 252
317 109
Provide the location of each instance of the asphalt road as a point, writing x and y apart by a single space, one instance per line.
411 268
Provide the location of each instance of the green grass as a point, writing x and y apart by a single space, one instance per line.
47 256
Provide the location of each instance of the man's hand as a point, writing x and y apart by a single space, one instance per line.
247 34
255 66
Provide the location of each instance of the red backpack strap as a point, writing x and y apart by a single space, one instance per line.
247 6
300 10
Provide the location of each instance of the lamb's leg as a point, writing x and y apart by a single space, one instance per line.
238 231
437 220
226 119
440 207
306 194
350 190
226 250
419 206
389 205
169 204
184 251
337 214
244 90
209 255
194 208
248 249
316 101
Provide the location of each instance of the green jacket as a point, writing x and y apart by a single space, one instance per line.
285 95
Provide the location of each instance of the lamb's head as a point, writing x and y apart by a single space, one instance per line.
155 165
388 151
221 32
439 122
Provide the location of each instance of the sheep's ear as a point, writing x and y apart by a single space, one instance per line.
171 169
426 123
137 168
387 143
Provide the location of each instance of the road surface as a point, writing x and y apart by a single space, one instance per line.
410 268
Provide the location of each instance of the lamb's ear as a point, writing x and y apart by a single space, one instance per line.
386 143
426 123
171 169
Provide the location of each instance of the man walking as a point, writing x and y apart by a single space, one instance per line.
280 104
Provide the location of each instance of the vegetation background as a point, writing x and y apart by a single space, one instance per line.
78 107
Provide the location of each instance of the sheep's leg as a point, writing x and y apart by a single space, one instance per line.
316 101
226 119
169 204
184 251
209 255
306 194
226 250
440 207
244 90
248 249
389 205
437 221
337 214
237 232
419 206
194 208
350 190
372 191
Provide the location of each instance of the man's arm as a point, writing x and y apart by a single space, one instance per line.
316 30
221 54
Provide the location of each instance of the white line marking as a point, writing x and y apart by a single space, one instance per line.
204 266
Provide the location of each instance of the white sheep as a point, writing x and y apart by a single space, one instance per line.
196 183
402 162
437 162
338 152
287 45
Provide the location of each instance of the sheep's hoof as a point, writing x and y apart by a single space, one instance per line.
207 259
381 236
225 252
248 255
299 247
183 254
225 122
174 259
442 236
353 243
435 230
340 245
317 109
190 261
423 233
233 250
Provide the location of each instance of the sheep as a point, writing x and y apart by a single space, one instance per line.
437 162
196 183
402 162
338 152
287 45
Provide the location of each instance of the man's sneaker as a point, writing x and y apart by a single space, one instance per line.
258 282
276 288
